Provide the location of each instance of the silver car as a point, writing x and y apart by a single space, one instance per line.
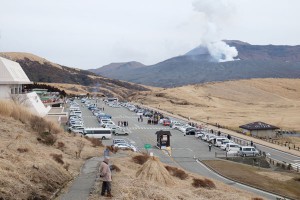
248 151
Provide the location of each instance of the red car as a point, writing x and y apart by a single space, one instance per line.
166 122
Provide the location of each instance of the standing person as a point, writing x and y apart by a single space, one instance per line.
251 143
127 123
209 146
105 174
106 152
138 119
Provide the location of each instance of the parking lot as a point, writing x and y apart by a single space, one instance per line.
187 150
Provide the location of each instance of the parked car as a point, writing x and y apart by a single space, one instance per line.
118 140
218 141
248 151
232 147
76 129
224 144
166 122
191 131
125 146
121 131
199 134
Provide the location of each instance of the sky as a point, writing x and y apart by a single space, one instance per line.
91 33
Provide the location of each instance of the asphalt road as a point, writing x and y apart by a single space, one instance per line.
186 150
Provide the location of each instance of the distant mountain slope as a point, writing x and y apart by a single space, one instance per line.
41 70
109 70
196 66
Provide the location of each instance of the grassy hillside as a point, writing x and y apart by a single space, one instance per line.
37 157
40 70
233 103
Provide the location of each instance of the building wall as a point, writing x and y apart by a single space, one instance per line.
6 90
264 133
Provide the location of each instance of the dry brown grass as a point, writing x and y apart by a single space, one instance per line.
22 150
115 167
127 186
274 101
26 165
174 171
257 198
141 159
95 142
58 158
261 178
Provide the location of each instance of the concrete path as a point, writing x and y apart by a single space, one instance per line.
81 187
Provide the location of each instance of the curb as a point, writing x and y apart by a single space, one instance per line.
279 195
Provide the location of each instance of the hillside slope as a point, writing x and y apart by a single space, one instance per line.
233 103
37 157
197 66
40 70
111 69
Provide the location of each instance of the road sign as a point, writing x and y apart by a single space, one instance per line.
147 146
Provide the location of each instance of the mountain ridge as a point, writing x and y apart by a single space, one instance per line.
197 66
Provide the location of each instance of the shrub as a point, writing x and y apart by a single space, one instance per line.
95 142
61 145
141 159
22 150
114 167
177 172
57 158
257 198
66 166
204 183
47 138
112 149
297 179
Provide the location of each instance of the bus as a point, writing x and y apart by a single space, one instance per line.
101 133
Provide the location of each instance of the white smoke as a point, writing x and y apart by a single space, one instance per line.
215 13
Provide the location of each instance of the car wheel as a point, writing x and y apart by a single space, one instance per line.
244 155
116 134
103 138
126 133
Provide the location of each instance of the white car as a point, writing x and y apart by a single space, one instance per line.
76 129
232 147
121 131
224 144
125 146
183 128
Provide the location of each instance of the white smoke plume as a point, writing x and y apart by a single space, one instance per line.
215 13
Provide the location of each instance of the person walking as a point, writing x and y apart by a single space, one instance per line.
138 119
105 174
209 146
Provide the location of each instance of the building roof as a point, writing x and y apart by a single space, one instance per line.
163 133
258 126
12 73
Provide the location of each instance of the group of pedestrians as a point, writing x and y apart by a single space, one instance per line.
123 123
140 118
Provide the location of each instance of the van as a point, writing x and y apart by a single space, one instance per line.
101 133
248 151
232 147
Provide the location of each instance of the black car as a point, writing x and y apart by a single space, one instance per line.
191 131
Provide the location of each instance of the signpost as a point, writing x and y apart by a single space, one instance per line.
147 147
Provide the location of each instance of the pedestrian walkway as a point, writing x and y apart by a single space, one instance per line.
82 185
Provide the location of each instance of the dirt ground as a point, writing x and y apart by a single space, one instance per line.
283 183
232 103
